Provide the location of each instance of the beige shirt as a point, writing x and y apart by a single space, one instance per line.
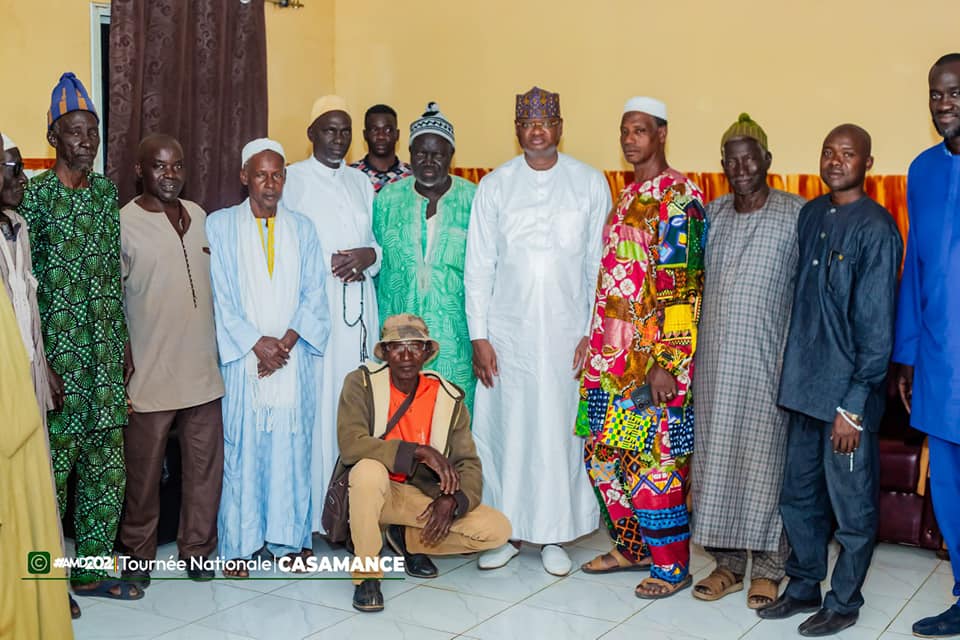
169 309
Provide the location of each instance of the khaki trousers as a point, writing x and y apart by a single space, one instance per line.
200 432
376 500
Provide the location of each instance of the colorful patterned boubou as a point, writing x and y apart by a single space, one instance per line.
646 313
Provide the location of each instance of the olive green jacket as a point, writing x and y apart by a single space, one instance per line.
362 419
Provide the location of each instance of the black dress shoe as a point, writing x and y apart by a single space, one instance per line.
367 596
945 625
827 622
138 577
417 565
201 574
786 606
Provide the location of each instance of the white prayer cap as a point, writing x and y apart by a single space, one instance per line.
8 143
649 106
254 147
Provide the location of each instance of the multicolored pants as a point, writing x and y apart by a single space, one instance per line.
644 508
101 477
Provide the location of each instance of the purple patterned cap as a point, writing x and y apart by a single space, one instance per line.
538 103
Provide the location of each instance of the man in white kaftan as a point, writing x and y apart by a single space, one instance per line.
272 324
533 253
338 199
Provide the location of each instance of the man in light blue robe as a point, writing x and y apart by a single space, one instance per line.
272 323
928 320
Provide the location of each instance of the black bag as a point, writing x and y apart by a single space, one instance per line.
336 506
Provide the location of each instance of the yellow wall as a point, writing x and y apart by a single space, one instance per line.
798 68
299 69
38 42
53 36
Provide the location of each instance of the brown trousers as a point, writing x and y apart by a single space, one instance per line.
376 500
200 431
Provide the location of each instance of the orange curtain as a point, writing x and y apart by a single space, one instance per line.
889 191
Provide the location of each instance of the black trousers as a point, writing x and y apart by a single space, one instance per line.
818 485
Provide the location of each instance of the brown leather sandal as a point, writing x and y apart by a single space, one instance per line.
237 569
763 591
602 564
668 588
719 583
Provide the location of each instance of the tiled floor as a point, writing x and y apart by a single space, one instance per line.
519 601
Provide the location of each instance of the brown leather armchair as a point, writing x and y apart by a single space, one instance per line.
906 511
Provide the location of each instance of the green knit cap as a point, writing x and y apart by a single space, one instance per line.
744 127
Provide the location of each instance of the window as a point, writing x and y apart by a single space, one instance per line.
100 72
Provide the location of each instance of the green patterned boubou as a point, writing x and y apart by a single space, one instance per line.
75 237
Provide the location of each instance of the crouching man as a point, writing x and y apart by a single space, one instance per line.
405 433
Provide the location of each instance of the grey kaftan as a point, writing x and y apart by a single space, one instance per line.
740 432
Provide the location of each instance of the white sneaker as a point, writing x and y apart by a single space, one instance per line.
555 560
496 558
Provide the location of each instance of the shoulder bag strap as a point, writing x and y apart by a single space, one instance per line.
402 409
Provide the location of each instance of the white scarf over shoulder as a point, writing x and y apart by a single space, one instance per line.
269 303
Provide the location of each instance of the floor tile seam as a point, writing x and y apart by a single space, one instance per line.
350 610
117 606
469 629
245 602
896 615
387 612
441 587
577 615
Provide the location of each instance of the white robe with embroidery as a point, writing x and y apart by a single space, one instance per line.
533 254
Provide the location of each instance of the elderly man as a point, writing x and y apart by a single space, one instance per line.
16 272
636 409
422 226
272 323
741 433
381 164
928 337
75 232
414 467
836 358
34 609
169 309
339 201
532 254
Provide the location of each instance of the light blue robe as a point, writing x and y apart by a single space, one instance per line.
266 475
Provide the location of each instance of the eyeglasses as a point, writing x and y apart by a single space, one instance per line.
16 168
526 125
412 348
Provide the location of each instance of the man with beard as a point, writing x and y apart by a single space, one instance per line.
381 133
928 336
169 310
339 201
422 226
636 406
741 433
532 253
75 232
272 324
836 358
